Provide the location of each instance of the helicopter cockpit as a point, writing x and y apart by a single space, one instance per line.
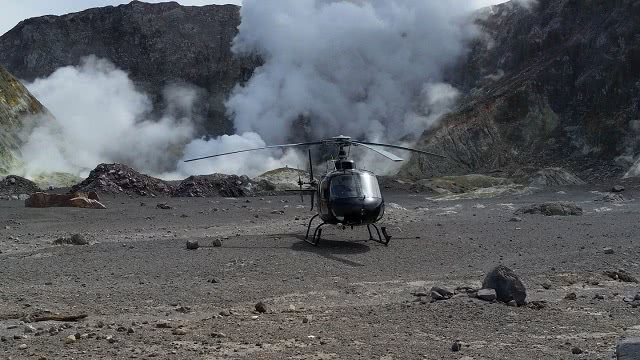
352 184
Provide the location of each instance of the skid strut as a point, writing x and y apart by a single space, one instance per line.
379 239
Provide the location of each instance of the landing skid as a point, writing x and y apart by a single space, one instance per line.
317 233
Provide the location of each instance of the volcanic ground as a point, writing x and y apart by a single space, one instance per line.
146 296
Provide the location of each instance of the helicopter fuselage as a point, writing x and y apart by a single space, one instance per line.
350 197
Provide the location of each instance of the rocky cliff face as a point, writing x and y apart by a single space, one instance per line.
554 85
157 44
15 103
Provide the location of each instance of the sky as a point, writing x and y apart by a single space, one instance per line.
14 11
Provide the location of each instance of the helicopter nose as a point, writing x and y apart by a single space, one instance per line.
356 211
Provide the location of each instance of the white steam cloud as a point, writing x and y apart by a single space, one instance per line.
370 69
101 117
367 69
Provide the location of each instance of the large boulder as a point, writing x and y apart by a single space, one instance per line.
217 185
80 200
507 285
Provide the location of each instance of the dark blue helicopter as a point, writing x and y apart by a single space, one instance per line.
346 196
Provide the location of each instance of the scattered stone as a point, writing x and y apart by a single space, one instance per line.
444 292
628 348
598 297
507 285
70 339
224 313
218 335
515 219
23 346
179 332
436 296
537 304
621 275
612 198
130 330
163 325
571 296
110 339
546 285
576 350
261 307
608 251
277 212
75 239
164 206
456 346
192 245
552 209
487 294
216 243
617 189
29 329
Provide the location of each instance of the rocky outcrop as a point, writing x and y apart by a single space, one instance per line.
219 185
121 179
16 185
15 103
157 44
79 200
553 85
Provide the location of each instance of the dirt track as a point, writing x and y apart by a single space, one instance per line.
346 299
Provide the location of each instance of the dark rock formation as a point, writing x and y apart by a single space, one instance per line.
16 185
552 209
507 285
157 44
15 103
121 179
553 85
217 185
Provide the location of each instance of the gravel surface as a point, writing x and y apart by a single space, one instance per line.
146 296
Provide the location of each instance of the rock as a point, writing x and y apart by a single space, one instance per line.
121 179
598 297
16 185
29 329
576 350
444 292
506 284
164 206
179 332
75 239
70 339
487 294
163 325
608 250
612 198
628 349
216 185
224 313
216 243
23 346
192 245
552 209
536 305
515 219
218 335
110 339
571 296
621 275
456 346
261 307
617 189
546 285
436 296
554 177
80 200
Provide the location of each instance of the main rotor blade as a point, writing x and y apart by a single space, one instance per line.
401 148
384 153
260 148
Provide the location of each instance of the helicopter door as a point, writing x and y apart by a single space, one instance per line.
324 196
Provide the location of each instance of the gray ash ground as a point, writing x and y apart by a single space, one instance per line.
147 296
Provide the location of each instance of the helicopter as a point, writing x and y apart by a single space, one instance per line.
346 196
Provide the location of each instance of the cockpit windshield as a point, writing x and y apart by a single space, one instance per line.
355 185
